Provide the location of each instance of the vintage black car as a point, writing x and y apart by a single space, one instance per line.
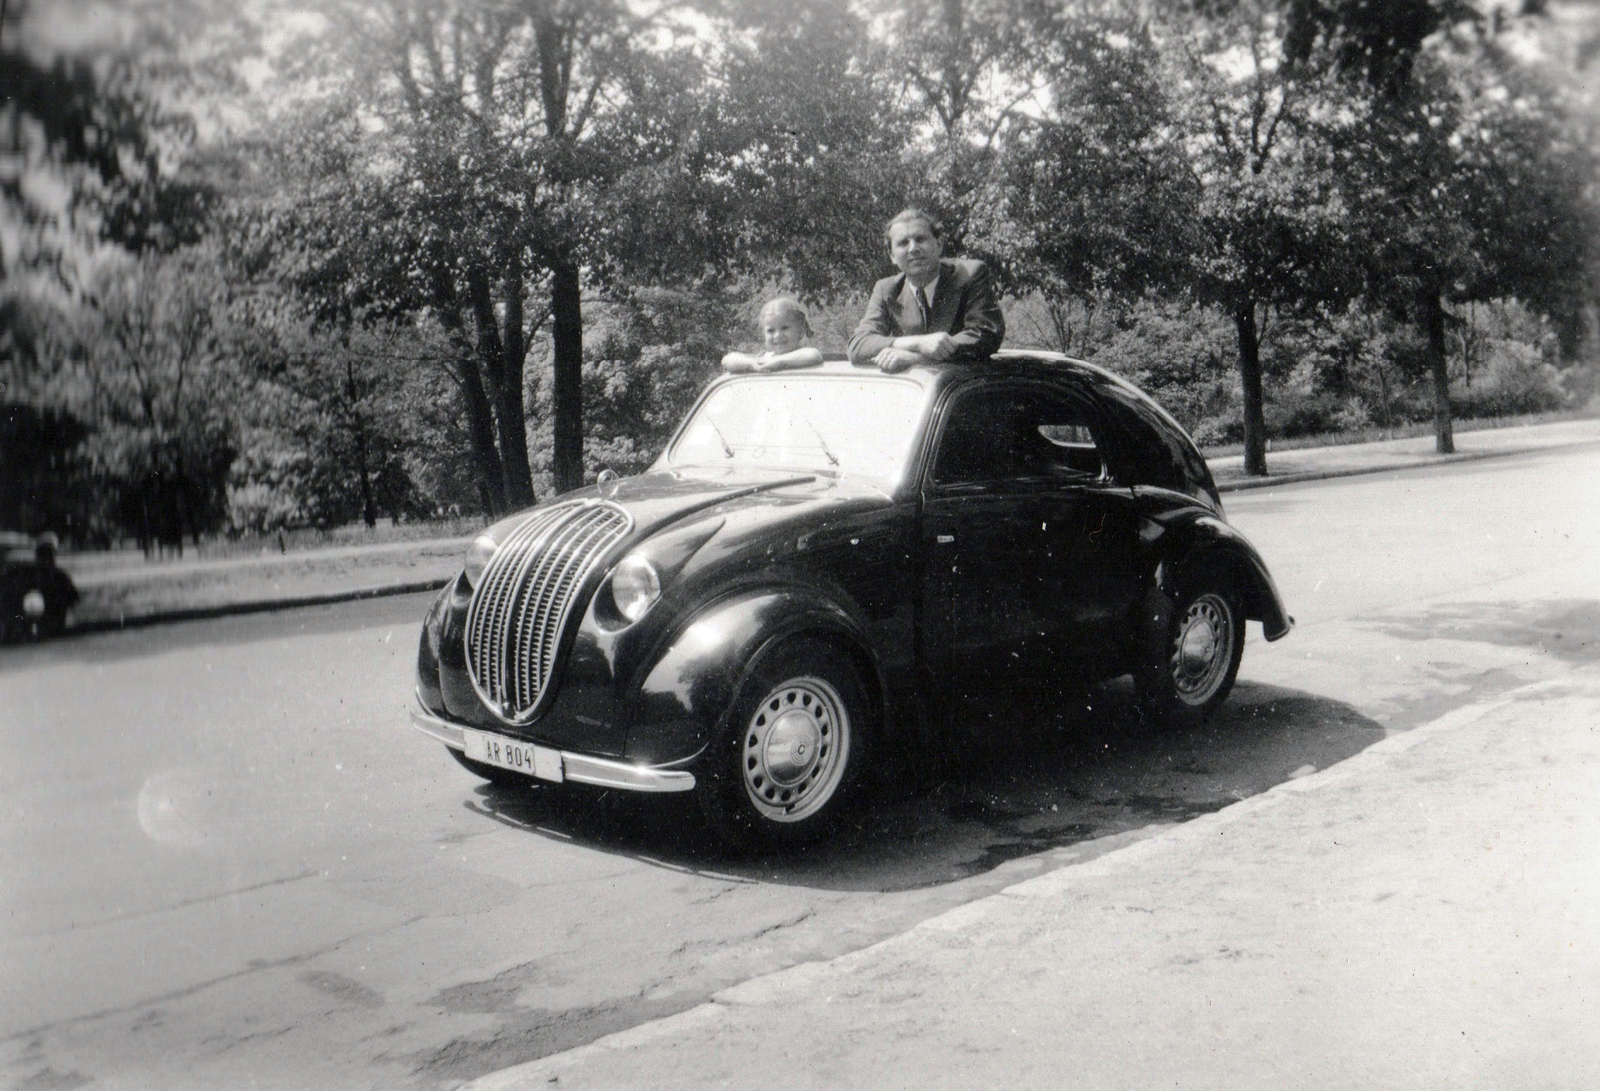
831 566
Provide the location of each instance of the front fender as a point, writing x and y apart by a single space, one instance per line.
686 694
1208 547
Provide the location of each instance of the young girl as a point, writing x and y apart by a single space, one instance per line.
784 330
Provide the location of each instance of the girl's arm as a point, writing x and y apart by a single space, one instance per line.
800 357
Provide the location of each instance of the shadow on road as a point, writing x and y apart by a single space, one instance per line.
1562 630
1566 628
1032 784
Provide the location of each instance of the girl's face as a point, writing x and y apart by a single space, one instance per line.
782 331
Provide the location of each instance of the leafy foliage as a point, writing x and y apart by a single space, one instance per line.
423 257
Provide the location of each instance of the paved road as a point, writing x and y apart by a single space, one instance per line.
226 864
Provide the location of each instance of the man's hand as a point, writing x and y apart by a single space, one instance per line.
936 346
893 359
933 346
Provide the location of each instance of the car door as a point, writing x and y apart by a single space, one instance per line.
1025 537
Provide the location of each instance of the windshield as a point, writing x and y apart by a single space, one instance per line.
841 423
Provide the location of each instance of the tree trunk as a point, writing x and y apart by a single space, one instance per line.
369 509
480 419
480 409
1255 428
1432 318
480 425
513 415
566 324
505 380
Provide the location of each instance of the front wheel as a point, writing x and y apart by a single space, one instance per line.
792 752
1201 654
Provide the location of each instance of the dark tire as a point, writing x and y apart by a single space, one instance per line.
500 778
1201 654
793 748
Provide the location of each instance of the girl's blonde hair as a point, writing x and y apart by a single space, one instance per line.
787 305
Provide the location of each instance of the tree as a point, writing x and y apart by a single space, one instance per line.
94 121
803 147
334 423
965 66
466 156
1466 185
1098 200
1268 220
148 361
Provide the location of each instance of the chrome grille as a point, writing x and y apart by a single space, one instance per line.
520 607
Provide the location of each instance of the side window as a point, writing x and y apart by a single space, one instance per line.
1016 432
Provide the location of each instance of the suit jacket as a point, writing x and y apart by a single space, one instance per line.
963 306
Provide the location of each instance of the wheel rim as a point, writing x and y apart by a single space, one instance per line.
1202 649
795 749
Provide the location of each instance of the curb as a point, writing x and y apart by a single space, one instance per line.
258 606
1241 484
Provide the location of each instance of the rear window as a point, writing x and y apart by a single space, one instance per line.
1156 451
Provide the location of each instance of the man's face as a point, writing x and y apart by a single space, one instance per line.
915 250
782 332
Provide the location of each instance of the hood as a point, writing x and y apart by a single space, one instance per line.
660 498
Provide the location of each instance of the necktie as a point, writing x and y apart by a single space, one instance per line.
923 306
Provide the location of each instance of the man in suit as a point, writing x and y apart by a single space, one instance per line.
936 309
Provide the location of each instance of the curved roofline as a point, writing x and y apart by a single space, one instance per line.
938 374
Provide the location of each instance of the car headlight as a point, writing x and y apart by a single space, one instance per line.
635 586
478 554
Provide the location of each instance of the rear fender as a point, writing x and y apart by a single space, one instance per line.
1207 548
686 696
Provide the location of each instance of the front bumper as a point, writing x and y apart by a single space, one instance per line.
600 772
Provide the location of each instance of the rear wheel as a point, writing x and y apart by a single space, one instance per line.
791 755
1202 650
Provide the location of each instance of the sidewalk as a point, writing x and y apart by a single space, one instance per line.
1423 915
119 596
1313 463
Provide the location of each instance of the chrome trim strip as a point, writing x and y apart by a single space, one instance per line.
600 772
443 730
615 774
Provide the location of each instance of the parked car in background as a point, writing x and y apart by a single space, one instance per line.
36 596
830 566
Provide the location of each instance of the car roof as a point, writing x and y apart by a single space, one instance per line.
1010 363
1014 364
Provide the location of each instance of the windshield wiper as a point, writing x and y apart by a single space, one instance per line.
820 440
727 452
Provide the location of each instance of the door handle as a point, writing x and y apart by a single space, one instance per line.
944 539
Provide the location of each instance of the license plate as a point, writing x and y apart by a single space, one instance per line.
519 757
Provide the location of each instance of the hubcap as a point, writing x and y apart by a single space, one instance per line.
1202 649
795 749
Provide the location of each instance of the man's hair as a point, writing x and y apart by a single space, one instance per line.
787 305
906 215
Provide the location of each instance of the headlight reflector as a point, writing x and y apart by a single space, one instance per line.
478 554
635 586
